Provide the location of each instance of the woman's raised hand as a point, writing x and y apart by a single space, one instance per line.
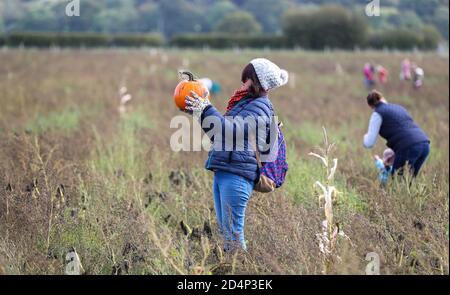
196 104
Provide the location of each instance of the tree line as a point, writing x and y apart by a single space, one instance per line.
224 23
173 17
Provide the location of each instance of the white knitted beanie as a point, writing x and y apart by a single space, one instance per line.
269 74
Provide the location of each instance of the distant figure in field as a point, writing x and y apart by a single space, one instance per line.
384 165
213 87
393 122
339 70
405 72
418 76
382 74
369 73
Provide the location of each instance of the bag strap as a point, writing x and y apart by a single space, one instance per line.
257 155
255 146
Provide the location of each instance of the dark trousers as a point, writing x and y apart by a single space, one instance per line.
414 155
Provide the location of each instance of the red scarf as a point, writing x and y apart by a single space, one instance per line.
237 96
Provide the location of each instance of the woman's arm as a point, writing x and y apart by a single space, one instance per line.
252 122
214 123
201 108
370 138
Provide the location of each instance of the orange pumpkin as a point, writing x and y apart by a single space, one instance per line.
185 87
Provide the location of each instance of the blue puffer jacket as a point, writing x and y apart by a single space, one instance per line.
236 160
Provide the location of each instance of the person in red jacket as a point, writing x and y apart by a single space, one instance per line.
382 74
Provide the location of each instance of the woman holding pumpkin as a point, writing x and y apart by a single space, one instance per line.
236 170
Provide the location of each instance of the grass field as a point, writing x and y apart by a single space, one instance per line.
76 173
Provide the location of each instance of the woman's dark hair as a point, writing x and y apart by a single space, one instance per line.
374 98
255 90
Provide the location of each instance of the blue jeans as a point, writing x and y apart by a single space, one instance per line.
231 195
415 155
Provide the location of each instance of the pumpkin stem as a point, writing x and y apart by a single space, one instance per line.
189 74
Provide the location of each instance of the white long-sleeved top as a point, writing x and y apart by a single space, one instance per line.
370 138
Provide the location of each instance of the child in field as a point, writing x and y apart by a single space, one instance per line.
369 71
382 74
405 72
384 165
213 87
418 75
